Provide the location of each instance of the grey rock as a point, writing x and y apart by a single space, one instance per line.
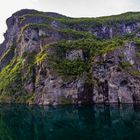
75 54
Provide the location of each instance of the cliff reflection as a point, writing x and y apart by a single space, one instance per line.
18 122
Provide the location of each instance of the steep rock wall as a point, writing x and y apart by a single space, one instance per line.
50 59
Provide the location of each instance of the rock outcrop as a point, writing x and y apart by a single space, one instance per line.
51 59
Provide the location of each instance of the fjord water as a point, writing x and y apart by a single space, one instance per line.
98 122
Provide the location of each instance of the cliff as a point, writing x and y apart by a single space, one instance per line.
51 59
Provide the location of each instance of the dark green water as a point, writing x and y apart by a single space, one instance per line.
18 122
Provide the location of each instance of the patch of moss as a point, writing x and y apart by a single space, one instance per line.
128 17
11 78
125 65
21 98
11 81
36 15
90 47
138 54
40 57
76 34
71 68
65 101
134 72
121 56
21 32
26 98
8 54
22 19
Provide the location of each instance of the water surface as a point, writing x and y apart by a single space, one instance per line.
19 122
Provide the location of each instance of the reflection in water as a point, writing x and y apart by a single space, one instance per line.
18 122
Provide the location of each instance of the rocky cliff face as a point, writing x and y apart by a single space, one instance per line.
51 59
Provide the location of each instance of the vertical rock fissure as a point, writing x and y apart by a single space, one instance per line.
103 89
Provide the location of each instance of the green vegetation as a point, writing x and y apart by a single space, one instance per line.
11 78
125 65
134 73
70 69
79 27
107 20
138 55
76 34
8 52
23 18
8 55
40 57
65 101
